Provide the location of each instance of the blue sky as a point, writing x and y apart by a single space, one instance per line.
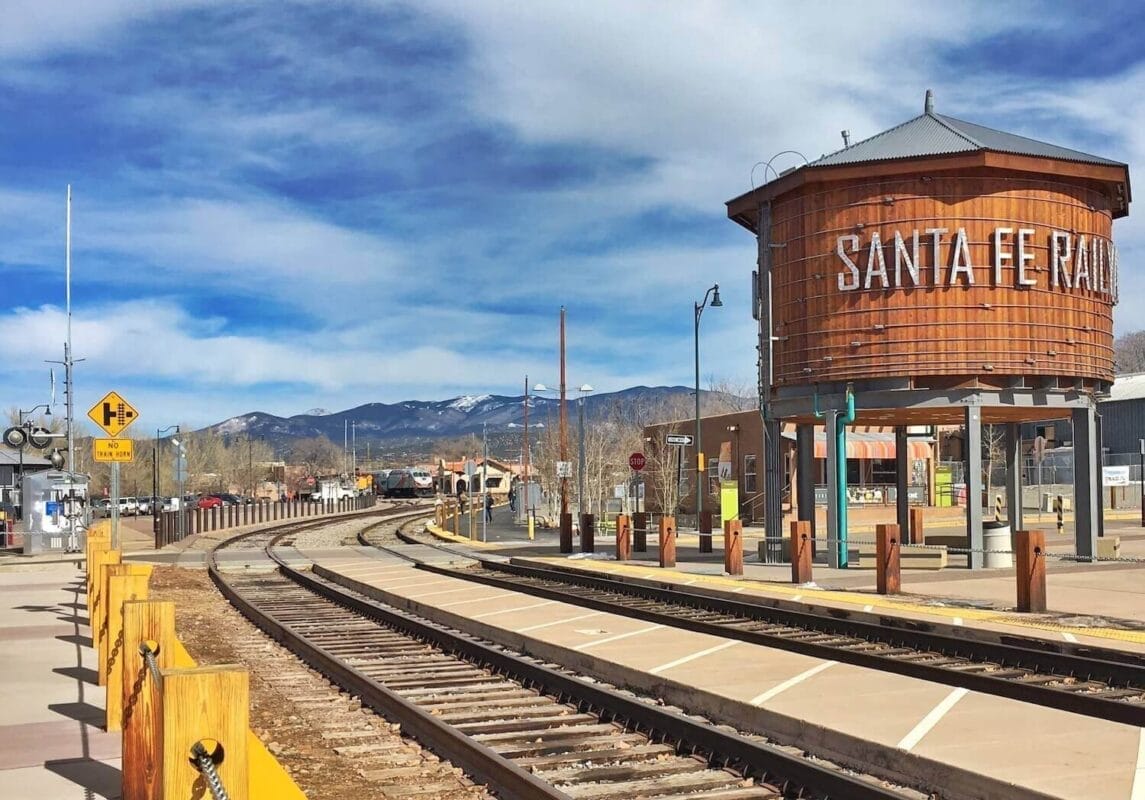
280 206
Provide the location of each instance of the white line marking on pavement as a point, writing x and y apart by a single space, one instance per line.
479 599
398 585
689 583
1138 791
958 620
930 720
797 598
1069 637
787 684
558 622
868 609
618 636
454 590
740 589
693 657
511 610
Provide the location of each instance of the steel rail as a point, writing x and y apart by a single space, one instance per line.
729 749
754 758
1007 656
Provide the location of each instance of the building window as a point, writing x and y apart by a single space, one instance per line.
883 471
750 480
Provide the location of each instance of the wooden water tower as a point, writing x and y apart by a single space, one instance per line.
947 274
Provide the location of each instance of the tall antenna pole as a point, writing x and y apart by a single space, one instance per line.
525 454
564 421
68 343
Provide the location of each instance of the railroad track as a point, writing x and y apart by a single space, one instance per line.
525 728
1103 684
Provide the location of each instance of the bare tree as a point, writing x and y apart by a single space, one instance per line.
1129 353
318 455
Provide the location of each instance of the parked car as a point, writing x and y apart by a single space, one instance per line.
128 507
143 505
209 501
229 499
100 507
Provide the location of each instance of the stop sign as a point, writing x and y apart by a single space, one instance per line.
636 461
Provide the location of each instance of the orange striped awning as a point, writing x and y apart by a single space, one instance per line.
876 446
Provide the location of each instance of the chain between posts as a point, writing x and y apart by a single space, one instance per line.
948 549
152 665
206 765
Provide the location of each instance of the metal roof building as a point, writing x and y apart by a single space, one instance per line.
1123 414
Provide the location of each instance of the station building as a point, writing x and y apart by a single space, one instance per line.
938 273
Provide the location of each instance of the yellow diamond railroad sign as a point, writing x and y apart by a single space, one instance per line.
113 414
113 449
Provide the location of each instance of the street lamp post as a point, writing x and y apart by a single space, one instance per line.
21 415
155 477
699 309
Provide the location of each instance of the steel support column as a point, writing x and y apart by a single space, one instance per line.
773 491
902 481
1014 477
1100 450
832 419
973 422
1086 483
805 476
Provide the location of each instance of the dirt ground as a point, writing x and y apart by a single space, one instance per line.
332 747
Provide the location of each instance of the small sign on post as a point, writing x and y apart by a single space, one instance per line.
682 439
114 450
637 461
564 469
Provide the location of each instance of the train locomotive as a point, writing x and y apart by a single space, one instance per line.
409 482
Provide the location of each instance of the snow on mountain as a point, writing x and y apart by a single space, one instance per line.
467 402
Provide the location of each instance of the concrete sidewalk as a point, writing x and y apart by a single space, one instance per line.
51 740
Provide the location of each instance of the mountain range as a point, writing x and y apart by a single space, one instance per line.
384 425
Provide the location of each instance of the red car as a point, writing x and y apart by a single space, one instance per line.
208 501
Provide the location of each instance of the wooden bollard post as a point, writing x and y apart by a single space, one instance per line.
640 532
1030 559
97 616
667 541
705 531
888 579
566 533
128 583
587 533
801 546
154 622
95 545
205 703
457 519
733 547
916 527
1059 507
115 590
623 538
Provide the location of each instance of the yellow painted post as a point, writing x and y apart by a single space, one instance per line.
209 705
153 622
98 541
97 614
126 582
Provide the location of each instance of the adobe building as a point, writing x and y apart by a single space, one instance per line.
938 273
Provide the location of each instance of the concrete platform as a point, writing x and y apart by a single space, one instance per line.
982 745
51 708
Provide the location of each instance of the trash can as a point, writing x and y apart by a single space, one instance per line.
996 536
